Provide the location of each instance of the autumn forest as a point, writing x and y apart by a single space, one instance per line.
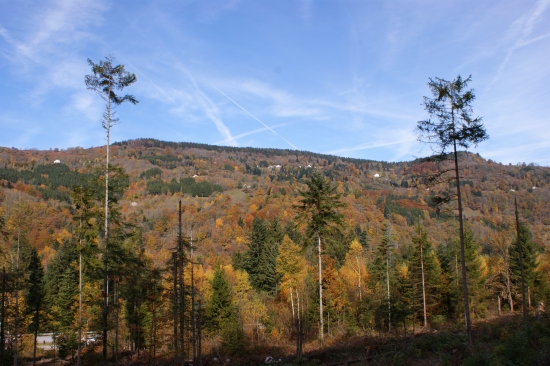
213 253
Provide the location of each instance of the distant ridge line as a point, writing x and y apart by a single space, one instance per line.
150 142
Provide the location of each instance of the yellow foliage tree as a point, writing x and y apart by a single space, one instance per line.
293 269
354 271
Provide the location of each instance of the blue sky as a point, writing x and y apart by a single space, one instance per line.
338 77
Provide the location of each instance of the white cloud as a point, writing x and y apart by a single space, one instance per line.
54 25
87 104
384 138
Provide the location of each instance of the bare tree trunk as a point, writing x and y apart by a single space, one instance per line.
152 340
328 322
413 304
16 325
175 274
116 321
105 254
193 321
35 336
520 246
154 332
456 269
54 353
388 285
509 290
78 357
299 325
462 254
199 335
321 322
423 287
3 315
292 305
295 323
359 278
498 299
181 289
138 330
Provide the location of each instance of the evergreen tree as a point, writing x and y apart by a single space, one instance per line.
362 237
255 255
318 208
65 304
425 272
219 308
453 125
450 293
107 79
476 280
141 291
59 273
276 232
530 263
259 259
383 275
267 278
402 295
292 232
34 295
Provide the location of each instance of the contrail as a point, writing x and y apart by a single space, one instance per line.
251 115
211 110
258 130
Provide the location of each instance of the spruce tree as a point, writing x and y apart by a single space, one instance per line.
219 308
383 274
58 269
425 272
267 277
450 292
255 254
65 304
530 263
317 209
476 281
34 295
362 237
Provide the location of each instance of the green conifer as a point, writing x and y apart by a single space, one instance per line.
219 308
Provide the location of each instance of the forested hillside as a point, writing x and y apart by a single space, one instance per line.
250 268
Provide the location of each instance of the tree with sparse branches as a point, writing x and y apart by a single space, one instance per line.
317 209
451 124
105 81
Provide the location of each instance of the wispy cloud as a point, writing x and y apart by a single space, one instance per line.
350 81
405 139
256 118
516 152
253 132
518 32
26 132
306 11
212 112
45 52
57 24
